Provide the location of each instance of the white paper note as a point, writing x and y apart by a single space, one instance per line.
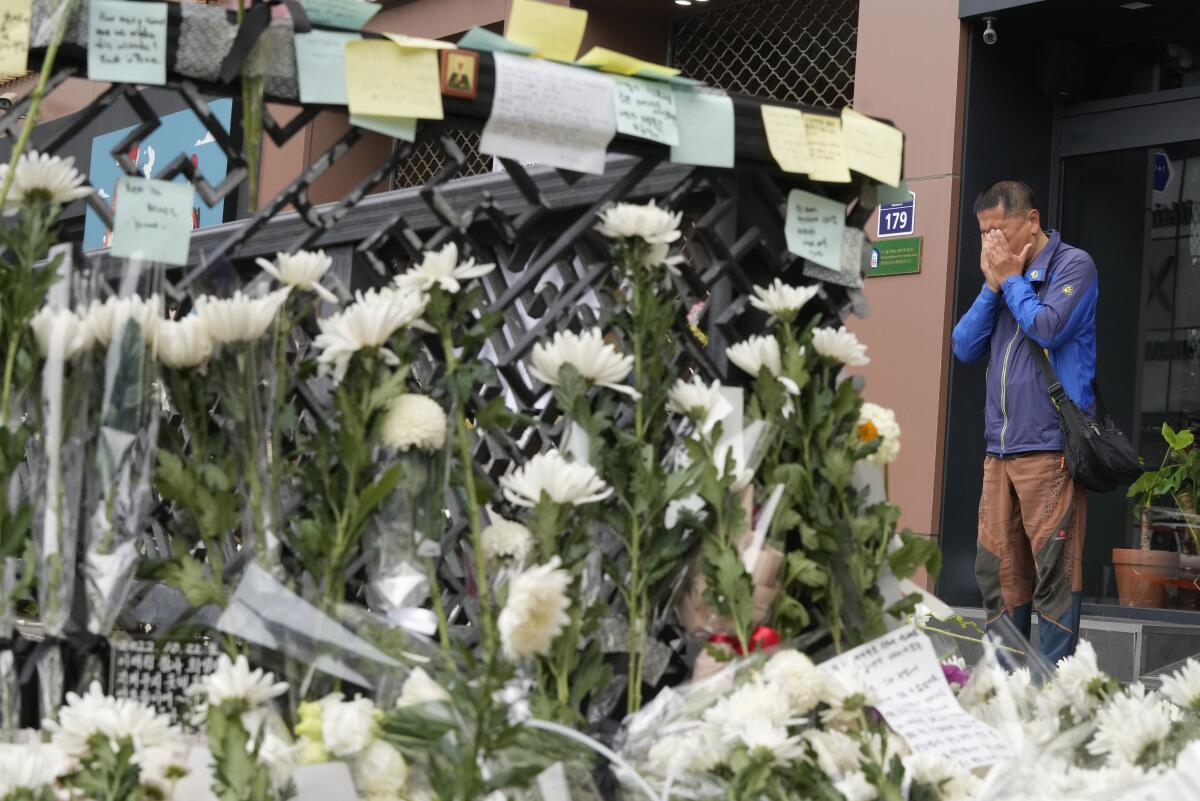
646 109
814 228
550 114
915 699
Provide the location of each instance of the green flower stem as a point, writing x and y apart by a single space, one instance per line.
463 439
435 592
39 91
10 361
637 594
334 584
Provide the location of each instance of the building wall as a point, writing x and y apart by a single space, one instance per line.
910 70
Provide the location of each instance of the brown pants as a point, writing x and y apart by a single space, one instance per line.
1032 519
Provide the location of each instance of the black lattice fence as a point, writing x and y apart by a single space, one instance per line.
428 159
796 50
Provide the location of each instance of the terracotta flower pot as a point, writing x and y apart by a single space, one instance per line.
1135 567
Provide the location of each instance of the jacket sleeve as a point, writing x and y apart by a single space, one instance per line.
974 331
1054 318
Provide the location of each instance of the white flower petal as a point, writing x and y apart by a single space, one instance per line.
536 610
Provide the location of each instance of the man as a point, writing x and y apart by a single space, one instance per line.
1038 292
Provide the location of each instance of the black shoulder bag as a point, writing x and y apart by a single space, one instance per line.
1097 453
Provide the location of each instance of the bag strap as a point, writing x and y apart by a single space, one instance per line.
1053 385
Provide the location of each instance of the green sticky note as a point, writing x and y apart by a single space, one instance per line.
396 127
321 64
705 122
814 228
490 42
127 42
153 220
645 110
349 15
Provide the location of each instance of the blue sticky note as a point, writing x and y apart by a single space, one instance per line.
153 220
396 127
814 228
349 15
127 42
321 64
705 123
490 42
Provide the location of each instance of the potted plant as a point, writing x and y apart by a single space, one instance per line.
1175 478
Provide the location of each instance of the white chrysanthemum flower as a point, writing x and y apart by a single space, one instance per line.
1076 679
536 610
763 735
846 694
878 422
840 345
414 421
954 783
855 787
419 688
798 678
837 753
347 727
647 222
756 353
239 318
560 480
507 540
752 701
594 359
442 268
233 680
29 767
156 743
696 750
75 334
52 177
703 403
183 344
380 773
301 270
1130 723
1183 686
369 322
779 298
105 319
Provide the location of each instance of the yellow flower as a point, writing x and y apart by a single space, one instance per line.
867 431
312 752
310 720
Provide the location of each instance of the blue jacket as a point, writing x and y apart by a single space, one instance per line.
1055 303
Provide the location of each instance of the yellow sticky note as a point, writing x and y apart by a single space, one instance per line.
872 147
15 16
612 61
388 81
826 155
552 31
419 43
787 138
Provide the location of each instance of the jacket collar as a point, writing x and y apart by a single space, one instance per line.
1039 270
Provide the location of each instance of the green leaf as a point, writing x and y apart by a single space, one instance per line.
915 551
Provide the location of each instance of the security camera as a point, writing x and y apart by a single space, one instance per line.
990 37
8 100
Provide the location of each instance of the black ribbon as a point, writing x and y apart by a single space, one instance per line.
254 24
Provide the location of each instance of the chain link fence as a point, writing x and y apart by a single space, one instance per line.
795 50
428 158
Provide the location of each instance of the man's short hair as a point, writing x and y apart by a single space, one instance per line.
1015 196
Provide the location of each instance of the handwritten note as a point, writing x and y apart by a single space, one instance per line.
552 31
490 42
127 42
396 127
827 157
550 114
153 220
646 110
705 123
611 61
349 15
915 700
383 79
787 138
872 148
321 63
814 228
15 16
